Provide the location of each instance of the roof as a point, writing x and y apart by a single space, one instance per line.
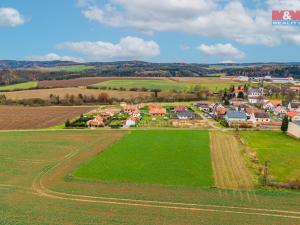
236 114
180 108
295 88
186 114
263 115
276 102
295 105
292 113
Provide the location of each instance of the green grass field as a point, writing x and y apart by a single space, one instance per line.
69 68
164 85
180 158
282 152
21 86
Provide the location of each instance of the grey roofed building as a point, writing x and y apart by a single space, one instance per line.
186 115
263 115
235 115
294 105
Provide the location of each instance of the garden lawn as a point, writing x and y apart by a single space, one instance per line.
164 85
282 152
180 158
21 86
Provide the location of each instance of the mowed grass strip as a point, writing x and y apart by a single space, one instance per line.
21 86
164 85
180 158
282 152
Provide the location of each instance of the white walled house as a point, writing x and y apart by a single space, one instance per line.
255 92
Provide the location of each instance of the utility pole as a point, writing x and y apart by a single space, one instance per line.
265 178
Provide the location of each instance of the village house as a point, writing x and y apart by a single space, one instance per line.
203 106
237 101
294 115
270 105
186 115
235 118
256 100
261 118
280 111
219 110
156 110
96 122
255 92
294 129
294 106
131 122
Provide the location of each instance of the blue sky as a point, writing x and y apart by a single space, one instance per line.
199 31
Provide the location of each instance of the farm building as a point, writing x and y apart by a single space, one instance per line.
294 129
186 115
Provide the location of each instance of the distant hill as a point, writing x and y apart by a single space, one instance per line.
12 71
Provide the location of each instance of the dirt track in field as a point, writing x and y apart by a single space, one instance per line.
230 171
19 117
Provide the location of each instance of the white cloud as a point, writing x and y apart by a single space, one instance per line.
294 39
228 62
10 17
54 57
223 50
128 48
211 18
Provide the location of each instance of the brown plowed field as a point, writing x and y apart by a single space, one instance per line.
19 117
44 93
85 81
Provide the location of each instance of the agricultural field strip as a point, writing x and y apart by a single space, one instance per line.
43 191
225 154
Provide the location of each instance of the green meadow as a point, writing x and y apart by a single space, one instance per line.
179 158
21 86
281 151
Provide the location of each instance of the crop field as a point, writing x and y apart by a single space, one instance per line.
211 83
21 86
19 117
83 81
281 151
68 68
164 85
37 187
44 93
230 171
167 157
